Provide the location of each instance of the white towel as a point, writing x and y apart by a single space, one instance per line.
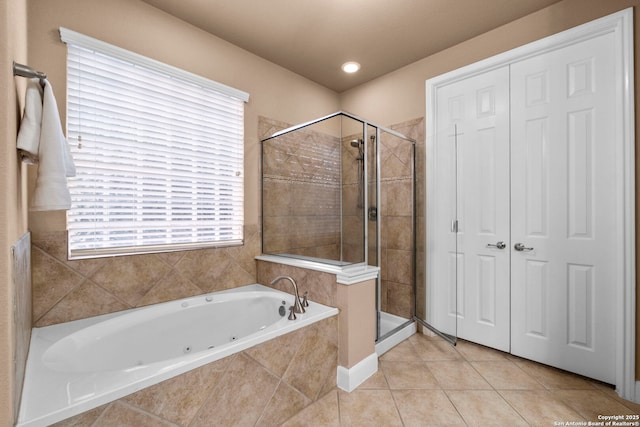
29 134
56 164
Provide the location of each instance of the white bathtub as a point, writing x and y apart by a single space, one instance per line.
76 366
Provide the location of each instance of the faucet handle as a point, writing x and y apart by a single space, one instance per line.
292 314
305 301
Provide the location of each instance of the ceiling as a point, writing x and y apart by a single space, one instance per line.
314 38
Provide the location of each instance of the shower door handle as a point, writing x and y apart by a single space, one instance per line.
499 245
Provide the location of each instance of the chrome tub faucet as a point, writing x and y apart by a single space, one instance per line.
297 305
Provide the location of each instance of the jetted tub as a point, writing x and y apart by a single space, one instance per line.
76 366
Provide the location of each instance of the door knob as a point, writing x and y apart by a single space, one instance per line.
499 245
521 248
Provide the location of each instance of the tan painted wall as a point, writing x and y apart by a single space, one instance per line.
357 318
13 216
136 26
400 96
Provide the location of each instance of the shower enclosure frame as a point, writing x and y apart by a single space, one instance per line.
366 124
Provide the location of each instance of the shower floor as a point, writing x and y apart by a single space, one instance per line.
388 322
393 330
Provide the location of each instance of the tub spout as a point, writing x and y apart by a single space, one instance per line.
297 306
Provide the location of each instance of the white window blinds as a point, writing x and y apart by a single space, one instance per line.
158 153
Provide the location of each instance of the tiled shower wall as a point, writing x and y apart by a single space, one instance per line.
397 236
395 210
352 201
68 290
301 179
416 130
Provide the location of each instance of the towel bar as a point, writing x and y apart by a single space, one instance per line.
26 71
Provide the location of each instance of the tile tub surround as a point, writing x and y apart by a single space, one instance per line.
21 277
264 385
352 293
66 290
320 285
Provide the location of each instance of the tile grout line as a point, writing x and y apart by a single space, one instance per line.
444 391
504 386
543 388
264 409
339 408
465 359
497 391
395 404
213 389
57 261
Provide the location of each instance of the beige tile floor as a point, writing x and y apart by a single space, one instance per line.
426 382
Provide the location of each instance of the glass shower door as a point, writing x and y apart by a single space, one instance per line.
438 296
394 217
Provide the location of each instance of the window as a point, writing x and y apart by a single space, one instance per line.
158 153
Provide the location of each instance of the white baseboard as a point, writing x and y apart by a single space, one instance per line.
350 378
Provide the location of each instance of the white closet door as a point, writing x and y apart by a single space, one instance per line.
474 276
564 196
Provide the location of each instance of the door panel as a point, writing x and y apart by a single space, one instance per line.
442 296
477 280
571 206
563 201
535 186
536 298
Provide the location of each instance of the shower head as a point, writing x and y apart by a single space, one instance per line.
359 144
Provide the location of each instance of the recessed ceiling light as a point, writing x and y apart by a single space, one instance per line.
350 67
